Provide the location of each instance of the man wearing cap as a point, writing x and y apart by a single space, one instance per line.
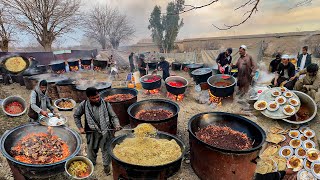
142 65
224 60
285 71
310 83
246 70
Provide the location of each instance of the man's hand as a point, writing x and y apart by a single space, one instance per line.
307 87
292 78
82 131
289 171
44 113
118 128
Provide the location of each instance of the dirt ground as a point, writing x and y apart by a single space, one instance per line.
188 108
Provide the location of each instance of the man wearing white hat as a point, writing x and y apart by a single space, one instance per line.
286 70
246 70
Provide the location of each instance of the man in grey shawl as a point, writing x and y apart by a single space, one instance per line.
99 119
39 102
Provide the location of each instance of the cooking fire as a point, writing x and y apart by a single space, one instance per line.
173 97
152 92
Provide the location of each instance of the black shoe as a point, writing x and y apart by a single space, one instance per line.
107 170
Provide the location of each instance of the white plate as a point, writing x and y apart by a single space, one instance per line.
303 128
284 100
286 147
312 169
271 102
312 131
313 150
296 100
297 168
274 94
304 144
305 165
305 175
258 102
293 140
296 152
300 137
283 89
294 131
286 113
288 94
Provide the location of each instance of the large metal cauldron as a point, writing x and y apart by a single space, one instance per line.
150 85
221 91
307 103
213 163
10 138
201 75
168 125
176 66
121 107
176 90
81 90
192 67
123 170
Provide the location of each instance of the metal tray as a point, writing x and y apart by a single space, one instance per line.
46 121
278 114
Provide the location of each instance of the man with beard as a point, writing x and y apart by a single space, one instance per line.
224 60
39 102
246 70
310 83
285 72
99 119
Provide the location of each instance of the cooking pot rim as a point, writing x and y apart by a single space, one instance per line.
9 157
263 134
194 71
170 77
153 100
150 75
233 84
179 141
129 89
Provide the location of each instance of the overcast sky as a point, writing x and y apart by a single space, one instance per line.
273 16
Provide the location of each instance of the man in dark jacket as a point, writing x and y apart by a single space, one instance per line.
142 65
304 59
131 62
164 67
285 71
99 119
275 63
224 60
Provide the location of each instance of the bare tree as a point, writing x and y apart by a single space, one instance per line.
121 30
107 26
7 29
251 5
45 19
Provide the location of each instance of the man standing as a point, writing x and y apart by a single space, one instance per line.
39 102
310 83
285 72
224 60
164 67
304 59
142 65
246 70
274 64
131 62
99 119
